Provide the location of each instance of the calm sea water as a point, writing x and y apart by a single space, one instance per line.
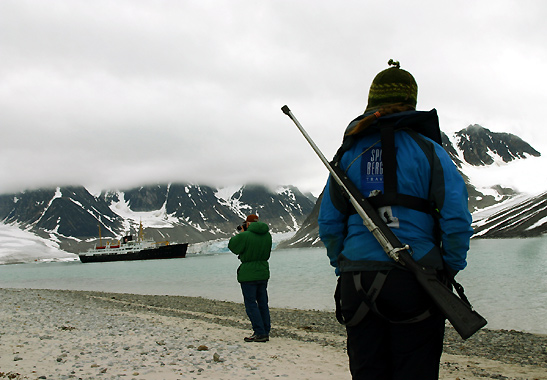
506 280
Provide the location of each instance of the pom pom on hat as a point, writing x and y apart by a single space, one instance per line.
392 86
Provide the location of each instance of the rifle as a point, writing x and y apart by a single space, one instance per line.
457 310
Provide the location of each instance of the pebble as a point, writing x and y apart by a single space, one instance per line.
115 352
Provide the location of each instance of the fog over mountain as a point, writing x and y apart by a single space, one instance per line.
47 223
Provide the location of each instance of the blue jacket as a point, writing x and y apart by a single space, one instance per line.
424 170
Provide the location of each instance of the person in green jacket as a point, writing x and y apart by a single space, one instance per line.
253 246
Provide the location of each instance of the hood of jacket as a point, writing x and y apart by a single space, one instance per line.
258 228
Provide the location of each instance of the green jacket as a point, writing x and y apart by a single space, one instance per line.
253 248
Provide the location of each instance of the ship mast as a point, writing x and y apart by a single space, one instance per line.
141 233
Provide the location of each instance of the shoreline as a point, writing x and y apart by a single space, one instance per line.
56 334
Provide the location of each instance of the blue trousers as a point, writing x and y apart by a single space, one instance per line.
255 298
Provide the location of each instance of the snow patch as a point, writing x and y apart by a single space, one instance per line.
17 246
226 193
155 219
226 198
525 176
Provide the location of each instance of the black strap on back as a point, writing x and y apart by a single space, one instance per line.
367 298
425 123
389 160
368 302
390 196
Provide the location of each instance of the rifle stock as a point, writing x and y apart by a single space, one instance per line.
461 315
463 318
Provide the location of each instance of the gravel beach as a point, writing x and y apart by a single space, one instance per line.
57 334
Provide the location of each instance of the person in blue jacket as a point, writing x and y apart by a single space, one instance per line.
422 197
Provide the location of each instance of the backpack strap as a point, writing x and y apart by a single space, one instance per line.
368 298
390 196
368 302
415 122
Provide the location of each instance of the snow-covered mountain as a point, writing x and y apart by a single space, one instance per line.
504 179
496 166
68 218
504 176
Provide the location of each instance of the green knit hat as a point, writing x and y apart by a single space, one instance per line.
393 85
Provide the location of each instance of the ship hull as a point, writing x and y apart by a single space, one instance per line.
172 251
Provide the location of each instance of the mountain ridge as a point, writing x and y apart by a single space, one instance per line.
473 147
178 212
69 216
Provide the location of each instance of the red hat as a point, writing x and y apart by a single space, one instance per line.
252 218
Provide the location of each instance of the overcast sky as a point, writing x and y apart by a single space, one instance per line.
120 93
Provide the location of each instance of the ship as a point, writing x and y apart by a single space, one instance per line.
128 249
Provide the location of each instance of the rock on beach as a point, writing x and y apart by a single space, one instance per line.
58 334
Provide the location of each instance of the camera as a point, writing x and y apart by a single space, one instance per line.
242 227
